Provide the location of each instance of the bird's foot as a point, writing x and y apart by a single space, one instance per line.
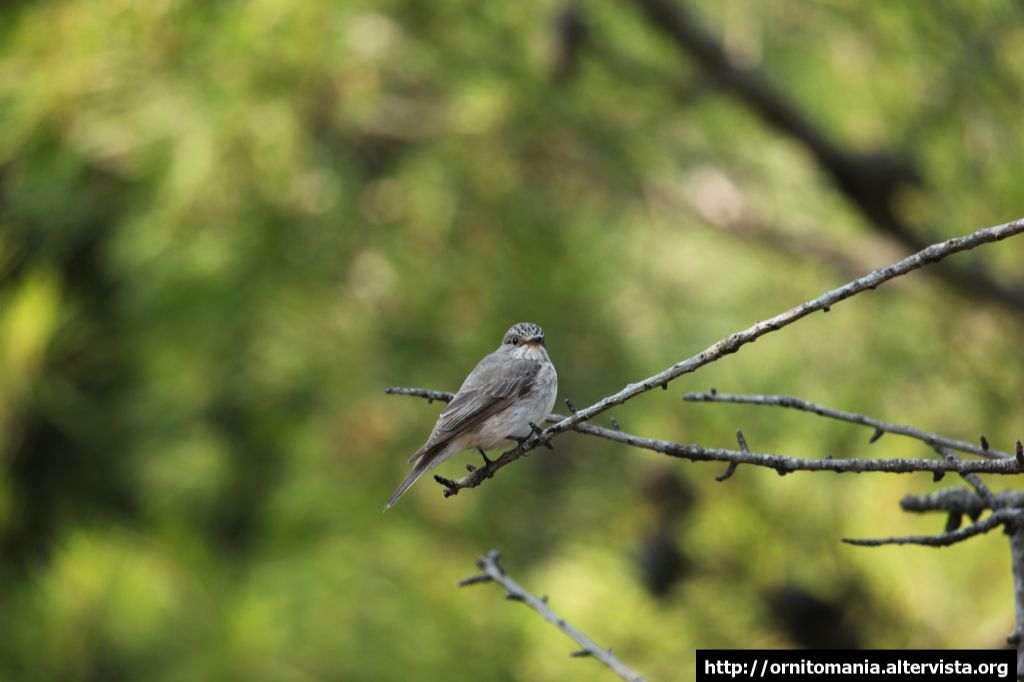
521 441
485 469
537 431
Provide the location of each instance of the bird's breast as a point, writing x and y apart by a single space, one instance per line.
515 420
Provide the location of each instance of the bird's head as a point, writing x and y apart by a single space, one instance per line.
523 338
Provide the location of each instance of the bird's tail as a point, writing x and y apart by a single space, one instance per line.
424 464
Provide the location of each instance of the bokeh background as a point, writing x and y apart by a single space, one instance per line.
226 227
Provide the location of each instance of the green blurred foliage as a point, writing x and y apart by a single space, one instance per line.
225 227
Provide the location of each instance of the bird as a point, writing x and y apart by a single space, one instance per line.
503 398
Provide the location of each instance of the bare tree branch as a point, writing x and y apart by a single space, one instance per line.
1016 531
784 464
1009 512
493 572
870 181
961 501
733 342
942 445
780 463
994 520
933 439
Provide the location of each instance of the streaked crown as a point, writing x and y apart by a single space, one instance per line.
523 332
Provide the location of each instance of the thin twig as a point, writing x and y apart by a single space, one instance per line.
733 342
933 439
431 396
731 469
780 463
493 571
994 520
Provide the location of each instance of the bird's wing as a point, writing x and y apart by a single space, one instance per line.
496 382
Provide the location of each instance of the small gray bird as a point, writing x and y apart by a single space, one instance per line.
507 390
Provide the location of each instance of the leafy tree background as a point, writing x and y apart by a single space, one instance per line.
225 227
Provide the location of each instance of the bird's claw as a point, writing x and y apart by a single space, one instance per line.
537 432
534 431
520 442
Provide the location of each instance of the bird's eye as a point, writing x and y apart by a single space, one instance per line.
515 340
